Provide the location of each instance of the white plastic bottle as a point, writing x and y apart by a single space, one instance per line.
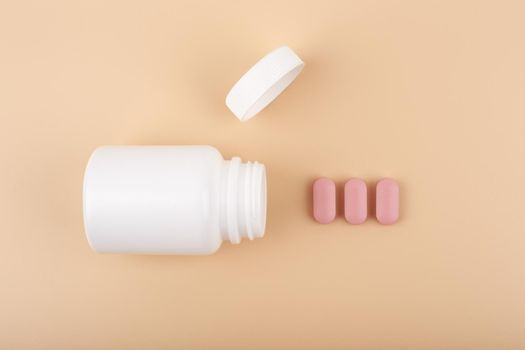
171 200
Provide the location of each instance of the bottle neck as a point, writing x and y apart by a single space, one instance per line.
242 200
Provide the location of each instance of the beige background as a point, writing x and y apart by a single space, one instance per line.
428 92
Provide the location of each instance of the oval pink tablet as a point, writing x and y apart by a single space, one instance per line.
356 201
387 201
324 200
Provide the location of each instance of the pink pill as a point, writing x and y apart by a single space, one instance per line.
387 201
324 200
356 201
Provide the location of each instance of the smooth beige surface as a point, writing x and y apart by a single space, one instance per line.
431 93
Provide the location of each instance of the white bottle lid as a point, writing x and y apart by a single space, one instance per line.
259 86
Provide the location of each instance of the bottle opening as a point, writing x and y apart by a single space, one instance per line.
243 200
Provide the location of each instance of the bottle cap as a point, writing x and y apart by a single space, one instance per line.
259 86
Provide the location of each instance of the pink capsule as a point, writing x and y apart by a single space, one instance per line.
356 201
324 200
387 201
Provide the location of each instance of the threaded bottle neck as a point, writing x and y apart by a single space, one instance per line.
242 200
